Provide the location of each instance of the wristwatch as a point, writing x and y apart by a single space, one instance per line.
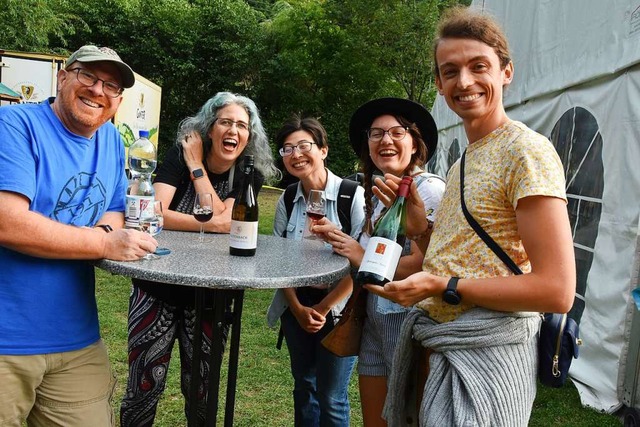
451 295
196 174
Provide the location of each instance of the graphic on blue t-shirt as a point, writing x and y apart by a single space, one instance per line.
82 200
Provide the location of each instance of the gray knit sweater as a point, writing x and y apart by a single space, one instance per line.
482 370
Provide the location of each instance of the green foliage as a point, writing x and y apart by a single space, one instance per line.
36 25
320 58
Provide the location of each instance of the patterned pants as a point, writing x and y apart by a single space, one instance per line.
154 325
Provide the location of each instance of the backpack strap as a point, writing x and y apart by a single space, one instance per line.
289 195
345 199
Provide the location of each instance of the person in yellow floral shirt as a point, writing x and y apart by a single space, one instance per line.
482 336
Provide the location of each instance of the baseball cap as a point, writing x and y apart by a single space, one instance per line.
90 53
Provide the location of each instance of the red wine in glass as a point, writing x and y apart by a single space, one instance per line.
315 216
203 211
203 214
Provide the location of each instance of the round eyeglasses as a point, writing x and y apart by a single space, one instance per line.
396 133
302 147
111 89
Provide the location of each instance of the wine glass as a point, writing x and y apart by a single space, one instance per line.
153 225
203 211
316 204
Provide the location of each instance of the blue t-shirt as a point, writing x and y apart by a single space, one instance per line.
48 305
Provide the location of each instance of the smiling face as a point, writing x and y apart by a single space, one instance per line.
388 155
471 80
84 109
305 166
228 142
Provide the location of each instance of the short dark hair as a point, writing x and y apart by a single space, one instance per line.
468 23
308 124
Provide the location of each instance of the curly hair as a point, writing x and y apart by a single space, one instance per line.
258 144
468 23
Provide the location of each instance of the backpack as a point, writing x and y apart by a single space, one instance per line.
345 199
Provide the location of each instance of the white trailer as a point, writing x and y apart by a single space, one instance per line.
32 76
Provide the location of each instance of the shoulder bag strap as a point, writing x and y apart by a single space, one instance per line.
500 253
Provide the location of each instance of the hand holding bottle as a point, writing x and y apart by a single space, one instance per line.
387 241
386 190
412 289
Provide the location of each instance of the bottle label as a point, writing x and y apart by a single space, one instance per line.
152 226
138 207
244 234
381 257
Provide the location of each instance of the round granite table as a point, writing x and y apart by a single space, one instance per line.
208 267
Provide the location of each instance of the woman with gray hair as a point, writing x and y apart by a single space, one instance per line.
205 159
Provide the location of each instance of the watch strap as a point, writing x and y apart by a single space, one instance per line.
451 295
106 227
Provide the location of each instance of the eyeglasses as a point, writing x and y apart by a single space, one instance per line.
396 133
111 89
302 147
228 123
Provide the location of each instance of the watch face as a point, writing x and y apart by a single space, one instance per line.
451 297
198 173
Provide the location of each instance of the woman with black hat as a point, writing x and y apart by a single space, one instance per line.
391 136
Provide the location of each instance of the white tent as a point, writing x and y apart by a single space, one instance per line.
577 81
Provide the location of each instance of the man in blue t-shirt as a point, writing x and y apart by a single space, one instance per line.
62 202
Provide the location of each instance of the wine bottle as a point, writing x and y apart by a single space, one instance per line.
243 239
385 246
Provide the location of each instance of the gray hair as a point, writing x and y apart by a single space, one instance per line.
258 144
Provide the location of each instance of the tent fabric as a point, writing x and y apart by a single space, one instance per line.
577 81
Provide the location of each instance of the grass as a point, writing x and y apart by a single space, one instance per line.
264 386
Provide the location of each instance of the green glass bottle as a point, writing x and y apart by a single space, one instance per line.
385 246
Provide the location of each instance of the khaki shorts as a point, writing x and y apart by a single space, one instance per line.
71 389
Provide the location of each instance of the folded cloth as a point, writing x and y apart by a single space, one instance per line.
482 370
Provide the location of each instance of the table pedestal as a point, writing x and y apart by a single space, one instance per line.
221 298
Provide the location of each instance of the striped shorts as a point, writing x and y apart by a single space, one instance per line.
379 337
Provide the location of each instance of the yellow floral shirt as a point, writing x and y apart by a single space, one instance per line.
510 163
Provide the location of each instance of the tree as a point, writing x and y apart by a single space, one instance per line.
192 49
33 25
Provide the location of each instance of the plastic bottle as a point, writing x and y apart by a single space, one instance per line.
385 246
140 192
243 239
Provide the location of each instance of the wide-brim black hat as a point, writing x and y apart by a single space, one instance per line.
414 112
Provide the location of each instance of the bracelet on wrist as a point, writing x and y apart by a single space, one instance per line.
106 227
422 235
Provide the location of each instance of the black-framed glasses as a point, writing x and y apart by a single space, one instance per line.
302 147
228 123
396 133
111 89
